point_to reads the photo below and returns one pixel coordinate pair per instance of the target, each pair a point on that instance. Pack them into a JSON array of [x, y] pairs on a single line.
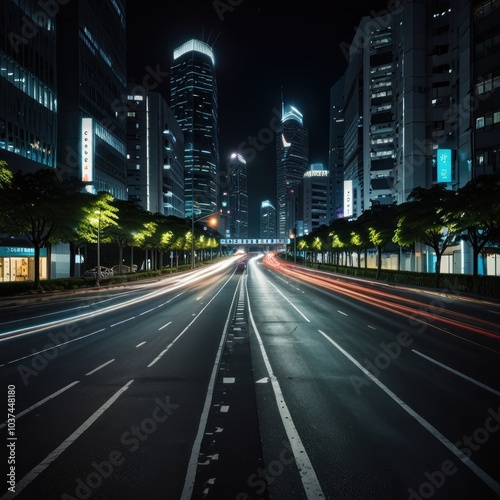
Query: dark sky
[[260, 47]]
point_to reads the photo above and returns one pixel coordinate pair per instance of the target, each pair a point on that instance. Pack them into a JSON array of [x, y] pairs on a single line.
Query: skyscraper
[[238, 197], [317, 198], [195, 106], [28, 125], [292, 156], [91, 92], [155, 164], [267, 220]]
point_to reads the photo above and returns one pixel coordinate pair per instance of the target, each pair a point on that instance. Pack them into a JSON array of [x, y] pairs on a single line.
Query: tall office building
[[238, 196], [195, 106], [486, 87], [316, 194], [336, 147], [28, 99], [292, 155], [92, 89], [267, 220], [155, 158], [369, 151]]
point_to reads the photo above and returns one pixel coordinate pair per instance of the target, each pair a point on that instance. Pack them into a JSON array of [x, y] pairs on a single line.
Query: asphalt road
[[265, 382]]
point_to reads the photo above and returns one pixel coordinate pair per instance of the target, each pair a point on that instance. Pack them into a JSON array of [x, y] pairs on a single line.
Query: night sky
[[261, 48]]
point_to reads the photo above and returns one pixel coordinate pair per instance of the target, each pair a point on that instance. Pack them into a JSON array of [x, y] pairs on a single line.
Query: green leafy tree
[[380, 221], [477, 213], [39, 206], [130, 222], [100, 216], [428, 218]]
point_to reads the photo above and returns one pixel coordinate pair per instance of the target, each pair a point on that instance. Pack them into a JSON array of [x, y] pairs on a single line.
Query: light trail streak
[[390, 302]]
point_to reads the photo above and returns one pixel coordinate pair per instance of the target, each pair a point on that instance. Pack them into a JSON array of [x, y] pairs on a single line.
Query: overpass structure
[[254, 243]]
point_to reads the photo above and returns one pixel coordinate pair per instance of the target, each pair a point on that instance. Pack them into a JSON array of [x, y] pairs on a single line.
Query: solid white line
[[187, 491], [139, 345], [429, 427], [162, 327], [36, 471], [308, 476], [41, 402], [479, 384], [99, 367], [288, 301]]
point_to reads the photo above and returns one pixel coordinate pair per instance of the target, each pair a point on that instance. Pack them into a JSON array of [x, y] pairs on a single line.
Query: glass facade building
[[28, 98], [238, 197], [92, 90], [155, 159], [292, 153], [193, 94]]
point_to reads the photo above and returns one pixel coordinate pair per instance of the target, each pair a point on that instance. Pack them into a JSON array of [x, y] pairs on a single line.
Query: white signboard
[[348, 206], [87, 150]]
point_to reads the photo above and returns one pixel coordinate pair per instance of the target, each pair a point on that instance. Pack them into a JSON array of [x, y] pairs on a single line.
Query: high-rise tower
[[238, 197], [194, 103], [292, 156]]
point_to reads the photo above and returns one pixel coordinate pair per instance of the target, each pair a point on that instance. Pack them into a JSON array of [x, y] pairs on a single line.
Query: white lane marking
[[224, 408], [139, 345], [55, 346], [164, 326], [288, 301], [187, 327], [41, 402], [264, 380], [308, 476], [228, 380], [426, 425], [474, 381], [342, 313], [36, 471], [124, 321], [148, 311], [99, 367], [372, 327], [187, 491]]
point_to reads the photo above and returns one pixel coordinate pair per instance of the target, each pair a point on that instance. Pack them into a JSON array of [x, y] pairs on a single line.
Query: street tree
[[39, 206]]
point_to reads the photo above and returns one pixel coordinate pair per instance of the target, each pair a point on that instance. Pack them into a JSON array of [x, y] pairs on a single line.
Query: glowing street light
[[212, 222]]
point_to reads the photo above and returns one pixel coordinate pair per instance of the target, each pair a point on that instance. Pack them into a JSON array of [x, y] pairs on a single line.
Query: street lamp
[[192, 233], [98, 273]]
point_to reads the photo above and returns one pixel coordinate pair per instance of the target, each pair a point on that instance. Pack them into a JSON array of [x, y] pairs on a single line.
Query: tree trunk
[[379, 261], [38, 288]]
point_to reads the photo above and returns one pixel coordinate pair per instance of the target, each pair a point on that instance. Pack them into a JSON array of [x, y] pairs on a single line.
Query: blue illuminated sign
[[444, 165]]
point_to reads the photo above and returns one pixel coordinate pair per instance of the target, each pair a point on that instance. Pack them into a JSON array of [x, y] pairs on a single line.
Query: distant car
[[240, 265], [106, 272]]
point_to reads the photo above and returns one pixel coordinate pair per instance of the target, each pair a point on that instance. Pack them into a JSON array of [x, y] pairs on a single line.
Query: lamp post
[[98, 273], [192, 234]]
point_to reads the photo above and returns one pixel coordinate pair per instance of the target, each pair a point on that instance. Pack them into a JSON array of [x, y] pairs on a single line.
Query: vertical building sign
[[348, 211], [87, 150], [444, 165]]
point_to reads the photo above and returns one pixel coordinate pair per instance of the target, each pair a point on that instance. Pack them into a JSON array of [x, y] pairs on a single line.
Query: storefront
[[17, 263]]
